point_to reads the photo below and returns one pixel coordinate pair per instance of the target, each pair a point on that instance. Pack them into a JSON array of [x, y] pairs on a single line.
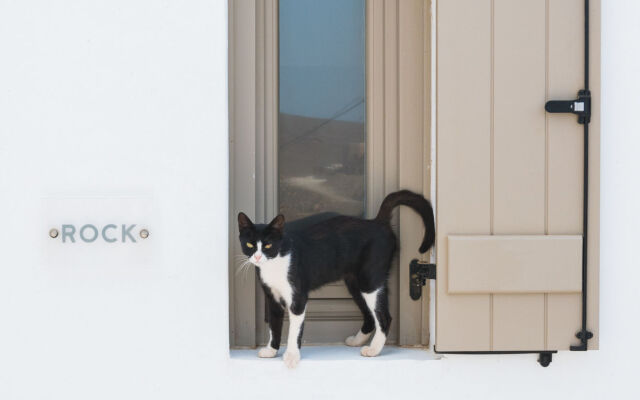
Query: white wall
[[128, 98]]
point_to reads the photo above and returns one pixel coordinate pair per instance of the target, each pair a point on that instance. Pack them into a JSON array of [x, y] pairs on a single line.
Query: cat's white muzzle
[[258, 259]]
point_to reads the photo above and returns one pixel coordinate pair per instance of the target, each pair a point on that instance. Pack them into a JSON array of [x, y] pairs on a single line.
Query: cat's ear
[[244, 222], [277, 223]]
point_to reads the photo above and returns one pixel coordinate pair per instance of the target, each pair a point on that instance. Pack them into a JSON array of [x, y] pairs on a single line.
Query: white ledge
[[342, 353]]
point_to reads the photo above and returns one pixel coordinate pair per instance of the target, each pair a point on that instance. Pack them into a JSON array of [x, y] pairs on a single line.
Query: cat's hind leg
[[378, 303], [363, 335]]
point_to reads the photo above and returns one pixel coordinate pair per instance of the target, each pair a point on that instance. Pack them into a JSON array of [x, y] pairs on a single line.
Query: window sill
[[342, 353]]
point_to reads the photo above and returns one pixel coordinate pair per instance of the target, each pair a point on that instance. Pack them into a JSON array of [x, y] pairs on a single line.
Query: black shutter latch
[[581, 106], [419, 272]]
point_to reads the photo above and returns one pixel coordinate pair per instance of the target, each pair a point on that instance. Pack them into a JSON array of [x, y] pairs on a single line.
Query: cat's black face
[[260, 242]]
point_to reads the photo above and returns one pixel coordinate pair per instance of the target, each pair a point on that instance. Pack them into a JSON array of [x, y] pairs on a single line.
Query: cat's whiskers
[[244, 265], [241, 257]]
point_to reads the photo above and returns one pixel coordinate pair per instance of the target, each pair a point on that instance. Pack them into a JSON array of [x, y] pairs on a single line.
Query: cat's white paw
[[291, 358], [369, 351], [358, 339], [352, 341], [267, 352]]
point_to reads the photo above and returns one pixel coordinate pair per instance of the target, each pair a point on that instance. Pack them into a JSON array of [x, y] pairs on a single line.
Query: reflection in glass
[[321, 138]]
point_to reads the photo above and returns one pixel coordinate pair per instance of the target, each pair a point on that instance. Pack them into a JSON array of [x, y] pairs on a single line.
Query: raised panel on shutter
[[515, 264]]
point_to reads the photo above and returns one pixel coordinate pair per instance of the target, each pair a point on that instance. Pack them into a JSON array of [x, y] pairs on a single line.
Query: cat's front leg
[[296, 325], [275, 316]]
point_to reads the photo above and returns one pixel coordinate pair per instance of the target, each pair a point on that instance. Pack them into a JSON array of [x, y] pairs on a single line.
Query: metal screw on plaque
[[144, 233], [53, 233]]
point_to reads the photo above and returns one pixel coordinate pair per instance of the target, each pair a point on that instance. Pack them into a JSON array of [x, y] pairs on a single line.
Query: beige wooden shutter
[[509, 176]]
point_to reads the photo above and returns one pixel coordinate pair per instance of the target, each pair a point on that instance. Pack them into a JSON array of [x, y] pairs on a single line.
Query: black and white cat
[[306, 254]]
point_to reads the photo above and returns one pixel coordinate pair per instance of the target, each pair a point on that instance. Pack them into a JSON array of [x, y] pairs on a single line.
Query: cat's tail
[[419, 205]]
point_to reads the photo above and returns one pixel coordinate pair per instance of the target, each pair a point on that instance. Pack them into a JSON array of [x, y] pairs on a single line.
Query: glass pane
[[321, 138]]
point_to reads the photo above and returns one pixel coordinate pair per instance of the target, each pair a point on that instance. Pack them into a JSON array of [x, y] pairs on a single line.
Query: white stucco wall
[[122, 99]]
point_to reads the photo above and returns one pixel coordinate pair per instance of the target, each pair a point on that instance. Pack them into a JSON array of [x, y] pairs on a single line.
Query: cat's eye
[[249, 245], [267, 246]]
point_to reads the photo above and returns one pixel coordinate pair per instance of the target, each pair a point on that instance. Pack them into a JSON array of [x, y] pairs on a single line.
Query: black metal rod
[[586, 44], [585, 227], [584, 335], [494, 351], [585, 201]]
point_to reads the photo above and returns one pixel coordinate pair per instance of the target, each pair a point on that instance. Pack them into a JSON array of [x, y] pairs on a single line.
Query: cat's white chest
[[274, 274]]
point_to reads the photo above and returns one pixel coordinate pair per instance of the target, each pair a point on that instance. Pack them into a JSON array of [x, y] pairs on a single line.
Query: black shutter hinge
[[581, 106], [419, 272]]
